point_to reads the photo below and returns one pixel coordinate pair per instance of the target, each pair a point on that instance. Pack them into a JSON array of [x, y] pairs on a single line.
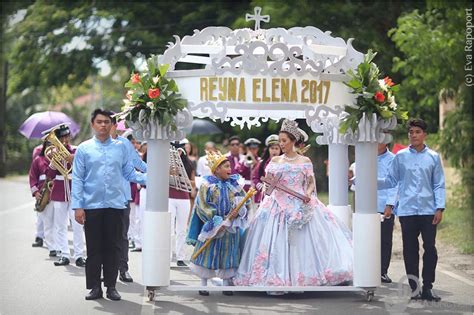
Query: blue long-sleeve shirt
[[97, 173], [136, 161], [420, 180], [387, 196]]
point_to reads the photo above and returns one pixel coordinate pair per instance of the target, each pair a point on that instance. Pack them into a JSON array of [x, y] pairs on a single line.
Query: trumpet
[[249, 159], [57, 154]]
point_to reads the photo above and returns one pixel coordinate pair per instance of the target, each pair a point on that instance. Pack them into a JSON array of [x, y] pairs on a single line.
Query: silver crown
[[291, 127]]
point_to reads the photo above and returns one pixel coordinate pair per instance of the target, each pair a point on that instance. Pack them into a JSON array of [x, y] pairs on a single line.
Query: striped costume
[[216, 198]]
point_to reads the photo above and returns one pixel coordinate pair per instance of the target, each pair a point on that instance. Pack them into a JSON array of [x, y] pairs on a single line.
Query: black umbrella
[[203, 127]]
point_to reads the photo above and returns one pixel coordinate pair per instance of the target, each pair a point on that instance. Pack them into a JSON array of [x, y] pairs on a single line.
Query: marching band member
[[234, 155], [217, 196], [37, 177], [272, 149], [247, 164], [60, 198], [180, 207], [39, 219]]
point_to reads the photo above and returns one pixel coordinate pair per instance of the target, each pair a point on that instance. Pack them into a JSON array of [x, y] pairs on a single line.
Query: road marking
[[23, 206], [457, 277]]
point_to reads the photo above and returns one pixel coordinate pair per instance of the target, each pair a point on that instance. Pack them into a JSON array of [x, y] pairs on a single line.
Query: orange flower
[[388, 81], [379, 97], [135, 78], [154, 93]]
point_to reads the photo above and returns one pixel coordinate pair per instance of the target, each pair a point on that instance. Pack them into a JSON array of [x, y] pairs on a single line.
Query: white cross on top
[[257, 17]]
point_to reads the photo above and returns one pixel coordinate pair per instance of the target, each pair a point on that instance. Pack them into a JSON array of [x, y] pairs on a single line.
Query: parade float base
[[193, 285]]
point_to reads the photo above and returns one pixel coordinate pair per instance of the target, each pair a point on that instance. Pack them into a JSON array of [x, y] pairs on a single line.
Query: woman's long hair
[[43, 149], [188, 165]]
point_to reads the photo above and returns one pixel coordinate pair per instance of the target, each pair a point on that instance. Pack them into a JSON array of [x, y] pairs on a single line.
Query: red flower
[[154, 93], [388, 81], [379, 97], [135, 78]]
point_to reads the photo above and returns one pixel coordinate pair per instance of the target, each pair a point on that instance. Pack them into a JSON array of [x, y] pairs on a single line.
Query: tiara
[[291, 127], [214, 159]]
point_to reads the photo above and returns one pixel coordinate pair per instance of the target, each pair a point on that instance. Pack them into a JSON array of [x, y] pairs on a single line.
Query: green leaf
[[173, 86], [354, 84], [386, 114], [151, 64], [163, 69]]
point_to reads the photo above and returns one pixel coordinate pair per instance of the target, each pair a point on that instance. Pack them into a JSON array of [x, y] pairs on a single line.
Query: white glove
[[259, 186]]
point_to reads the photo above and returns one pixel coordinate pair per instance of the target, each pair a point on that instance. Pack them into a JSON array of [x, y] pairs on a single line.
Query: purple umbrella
[[39, 122]]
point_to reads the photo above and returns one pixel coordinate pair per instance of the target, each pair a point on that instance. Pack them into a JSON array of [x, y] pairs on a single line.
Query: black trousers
[[123, 264], [386, 230], [103, 230], [412, 227]]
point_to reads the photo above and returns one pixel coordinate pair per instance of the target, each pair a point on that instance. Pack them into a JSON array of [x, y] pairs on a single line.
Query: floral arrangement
[[374, 95], [151, 95]]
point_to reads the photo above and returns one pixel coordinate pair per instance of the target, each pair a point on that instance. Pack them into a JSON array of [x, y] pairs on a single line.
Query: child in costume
[[217, 197]]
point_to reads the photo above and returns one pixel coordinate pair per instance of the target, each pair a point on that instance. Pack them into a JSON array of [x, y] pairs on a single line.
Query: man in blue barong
[[218, 195]]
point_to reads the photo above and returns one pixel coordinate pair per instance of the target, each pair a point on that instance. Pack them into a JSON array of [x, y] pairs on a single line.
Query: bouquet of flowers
[[151, 95], [374, 95]]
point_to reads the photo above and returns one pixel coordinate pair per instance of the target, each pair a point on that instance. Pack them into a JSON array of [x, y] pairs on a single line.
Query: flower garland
[[151, 95], [374, 95]]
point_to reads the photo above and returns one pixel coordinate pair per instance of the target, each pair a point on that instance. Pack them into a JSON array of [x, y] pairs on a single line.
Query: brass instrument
[[249, 159], [303, 150], [43, 200], [58, 157], [57, 154]]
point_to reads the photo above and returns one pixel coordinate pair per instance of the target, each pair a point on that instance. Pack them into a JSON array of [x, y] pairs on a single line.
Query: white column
[[338, 182], [366, 220], [156, 225]]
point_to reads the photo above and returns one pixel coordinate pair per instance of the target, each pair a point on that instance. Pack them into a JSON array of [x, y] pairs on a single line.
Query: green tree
[[432, 43], [67, 39]]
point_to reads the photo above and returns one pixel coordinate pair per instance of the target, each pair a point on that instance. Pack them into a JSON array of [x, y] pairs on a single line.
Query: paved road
[[30, 284]]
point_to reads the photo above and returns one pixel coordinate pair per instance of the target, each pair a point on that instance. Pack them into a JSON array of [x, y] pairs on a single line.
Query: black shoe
[[228, 293], [416, 297], [136, 249], [125, 277], [112, 294], [38, 242], [80, 262], [181, 263], [95, 294], [429, 295], [53, 253], [386, 278], [63, 261], [204, 293]]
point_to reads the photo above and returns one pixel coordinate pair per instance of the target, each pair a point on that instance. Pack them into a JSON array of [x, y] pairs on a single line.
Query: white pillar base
[[344, 213], [366, 242], [156, 248]]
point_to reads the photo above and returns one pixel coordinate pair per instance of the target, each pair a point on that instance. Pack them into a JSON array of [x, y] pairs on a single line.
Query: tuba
[[57, 154], [45, 191]]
